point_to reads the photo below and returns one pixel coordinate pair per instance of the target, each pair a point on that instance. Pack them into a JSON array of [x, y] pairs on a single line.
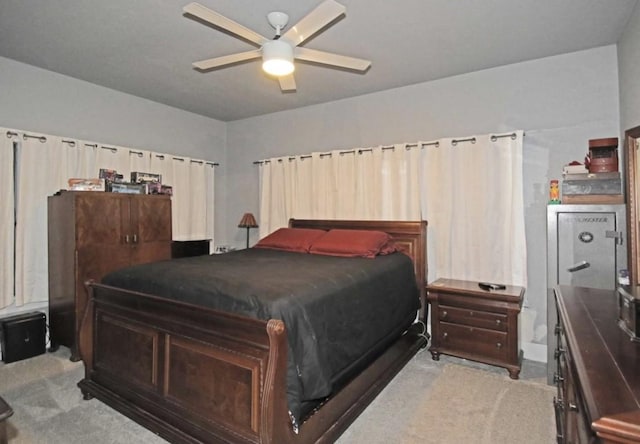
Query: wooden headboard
[[411, 236]]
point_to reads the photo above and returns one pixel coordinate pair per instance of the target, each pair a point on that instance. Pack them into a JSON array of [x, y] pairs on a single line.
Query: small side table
[[475, 324], [5, 412]]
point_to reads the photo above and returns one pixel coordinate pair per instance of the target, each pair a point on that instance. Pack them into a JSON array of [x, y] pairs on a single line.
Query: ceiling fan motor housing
[[277, 58]]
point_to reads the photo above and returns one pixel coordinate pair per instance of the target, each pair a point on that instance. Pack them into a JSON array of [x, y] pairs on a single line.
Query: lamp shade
[[277, 58], [248, 221]]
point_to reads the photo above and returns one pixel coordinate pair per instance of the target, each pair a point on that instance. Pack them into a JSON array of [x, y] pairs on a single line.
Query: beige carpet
[[457, 401], [467, 405], [445, 402]]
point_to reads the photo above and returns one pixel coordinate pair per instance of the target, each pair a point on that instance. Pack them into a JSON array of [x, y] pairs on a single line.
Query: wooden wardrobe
[[90, 235]]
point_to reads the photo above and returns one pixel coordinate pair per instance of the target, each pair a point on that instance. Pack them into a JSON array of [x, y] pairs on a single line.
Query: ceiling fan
[[278, 53]]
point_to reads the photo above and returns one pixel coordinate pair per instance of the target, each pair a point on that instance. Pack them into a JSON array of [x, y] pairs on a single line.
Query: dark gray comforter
[[339, 312]]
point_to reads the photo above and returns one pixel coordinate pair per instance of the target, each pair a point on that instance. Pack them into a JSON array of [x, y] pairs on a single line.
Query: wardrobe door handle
[[126, 238], [135, 238]]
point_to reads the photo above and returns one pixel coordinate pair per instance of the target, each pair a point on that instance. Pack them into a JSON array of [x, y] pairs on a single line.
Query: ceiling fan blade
[[327, 58], [287, 83], [317, 19], [217, 62], [203, 13]]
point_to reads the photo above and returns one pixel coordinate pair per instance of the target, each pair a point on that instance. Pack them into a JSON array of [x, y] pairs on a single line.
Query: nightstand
[[475, 324]]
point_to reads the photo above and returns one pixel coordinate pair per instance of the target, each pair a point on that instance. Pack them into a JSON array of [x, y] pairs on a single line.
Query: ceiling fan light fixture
[[277, 58]]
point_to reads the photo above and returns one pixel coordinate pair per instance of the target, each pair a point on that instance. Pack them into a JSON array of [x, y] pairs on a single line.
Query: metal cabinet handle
[[135, 238], [444, 335], [444, 314], [579, 266], [126, 239], [498, 322], [499, 345], [573, 407]]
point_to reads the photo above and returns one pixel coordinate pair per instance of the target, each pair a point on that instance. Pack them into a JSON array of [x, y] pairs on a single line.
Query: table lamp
[[248, 222]]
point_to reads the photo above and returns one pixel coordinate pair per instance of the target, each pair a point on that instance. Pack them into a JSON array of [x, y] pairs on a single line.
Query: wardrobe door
[[101, 242], [151, 228]]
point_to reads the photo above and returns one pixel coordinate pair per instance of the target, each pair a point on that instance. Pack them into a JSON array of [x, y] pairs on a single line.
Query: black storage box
[[189, 248], [23, 336]]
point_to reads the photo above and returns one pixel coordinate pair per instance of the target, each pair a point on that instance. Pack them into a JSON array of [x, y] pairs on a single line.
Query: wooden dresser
[[92, 234], [597, 370], [476, 324]]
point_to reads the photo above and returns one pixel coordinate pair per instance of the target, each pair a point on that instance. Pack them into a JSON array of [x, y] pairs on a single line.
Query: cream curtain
[[7, 138], [44, 164], [474, 204], [366, 183], [123, 160], [469, 190], [192, 203]]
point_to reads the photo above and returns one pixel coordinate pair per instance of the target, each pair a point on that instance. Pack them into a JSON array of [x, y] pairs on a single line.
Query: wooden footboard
[[188, 373], [193, 374]]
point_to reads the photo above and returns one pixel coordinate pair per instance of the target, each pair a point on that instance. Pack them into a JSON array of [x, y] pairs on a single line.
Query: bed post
[[85, 340], [274, 403]]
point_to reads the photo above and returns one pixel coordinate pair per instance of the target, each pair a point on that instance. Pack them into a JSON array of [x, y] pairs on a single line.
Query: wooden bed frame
[[193, 374]]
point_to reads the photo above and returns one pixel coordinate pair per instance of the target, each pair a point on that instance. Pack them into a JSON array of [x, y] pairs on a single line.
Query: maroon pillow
[[290, 239], [354, 243]]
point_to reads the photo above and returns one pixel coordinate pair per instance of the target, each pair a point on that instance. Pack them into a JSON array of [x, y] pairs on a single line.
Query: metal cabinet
[[586, 247]]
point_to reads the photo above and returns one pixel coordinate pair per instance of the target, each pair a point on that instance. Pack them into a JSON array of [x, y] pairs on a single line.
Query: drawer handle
[[557, 378], [558, 352], [444, 314], [573, 407], [499, 345], [470, 313], [444, 335], [498, 322]]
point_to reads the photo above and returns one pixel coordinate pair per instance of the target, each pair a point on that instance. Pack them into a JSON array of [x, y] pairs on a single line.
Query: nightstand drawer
[[473, 341], [475, 318]]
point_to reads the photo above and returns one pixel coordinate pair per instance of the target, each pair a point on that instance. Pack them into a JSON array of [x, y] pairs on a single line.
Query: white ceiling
[[146, 47]]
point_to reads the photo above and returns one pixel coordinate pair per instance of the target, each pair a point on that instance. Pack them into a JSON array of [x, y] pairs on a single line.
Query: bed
[[195, 373]]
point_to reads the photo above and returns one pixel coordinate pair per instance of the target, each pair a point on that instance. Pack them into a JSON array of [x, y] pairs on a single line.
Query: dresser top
[[607, 361]]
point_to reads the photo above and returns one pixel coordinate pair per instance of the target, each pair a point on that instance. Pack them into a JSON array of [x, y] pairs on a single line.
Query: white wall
[[629, 60], [561, 102]]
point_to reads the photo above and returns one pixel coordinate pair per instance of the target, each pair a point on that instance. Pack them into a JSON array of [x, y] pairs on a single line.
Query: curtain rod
[[113, 149], [359, 151], [454, 142]]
